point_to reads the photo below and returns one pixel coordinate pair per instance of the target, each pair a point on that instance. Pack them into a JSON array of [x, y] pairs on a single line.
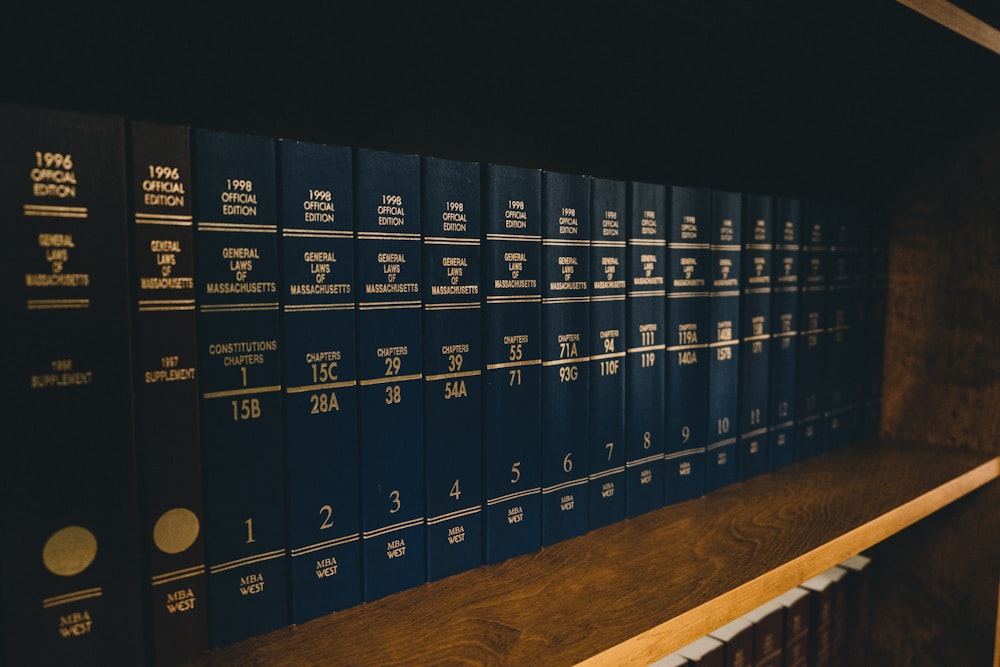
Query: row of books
[[341, 372], [823, 622]]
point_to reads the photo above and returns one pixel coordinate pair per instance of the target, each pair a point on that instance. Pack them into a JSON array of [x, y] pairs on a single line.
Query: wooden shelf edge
[[667, 637], [958, 20]]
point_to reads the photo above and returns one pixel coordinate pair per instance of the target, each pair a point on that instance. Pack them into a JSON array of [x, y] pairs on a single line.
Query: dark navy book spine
[[390, 370], [860, 298], [721, 465], [784, 330], [566, 347], [319, 376], [810, 381], [646, 321], [755, 328], [69, 569], [607, 336], [453, 391], [688, 344], [165, 353], [839, 330], [512, 262], [236, 278]]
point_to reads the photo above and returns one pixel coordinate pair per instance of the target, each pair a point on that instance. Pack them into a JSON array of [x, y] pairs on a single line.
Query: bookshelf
[[867, 101]]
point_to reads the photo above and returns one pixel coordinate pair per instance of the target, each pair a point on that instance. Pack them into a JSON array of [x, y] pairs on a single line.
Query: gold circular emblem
[[176, 530], [69, 551]]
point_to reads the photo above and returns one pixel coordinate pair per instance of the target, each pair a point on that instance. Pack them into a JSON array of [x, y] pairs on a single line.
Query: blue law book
[[859, 299], [810, 387], [453, 391], [688, 343], [839, 329], [607, 335], [755, 327], [511, 264], [784, 330], [390, 370], [69, 569], [319, 376], [165, 353], [645, 322], [724, 332], [566, 347], [236, 279]]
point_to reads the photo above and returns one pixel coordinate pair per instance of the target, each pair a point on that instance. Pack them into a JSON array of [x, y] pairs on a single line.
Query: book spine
[[566, 348], [453, 389], [724, 334], [646, 320], [69, 572], [236, 279], [688, 346], [390, 371], [860, 300], [512, 357], [839, 330], [784, 331], [607, 331], [319, 377], [810, 387], [755, 326], [166, 384]]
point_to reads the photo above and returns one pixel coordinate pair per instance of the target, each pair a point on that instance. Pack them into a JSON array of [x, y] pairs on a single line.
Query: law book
[[724, 335], [453, 390], [705, 652], [768, 633], [784, 331], [859, 299], [796, 605], [737, 643], [607, 335], [69, 572], [511, 265], [878, 297], [239, 370], [566, 349], [810, 378], [857, 616], [646, 323], [822, 592], [840, 332], [390, 370], [319, 376], [688, 342], [755, 327], [165, 354]]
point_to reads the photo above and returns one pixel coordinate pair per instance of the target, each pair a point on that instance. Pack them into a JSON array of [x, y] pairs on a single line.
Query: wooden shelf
[[636, 590]]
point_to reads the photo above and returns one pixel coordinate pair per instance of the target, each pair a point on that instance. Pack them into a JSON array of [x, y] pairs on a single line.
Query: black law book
[[69, 572], [166, 388]]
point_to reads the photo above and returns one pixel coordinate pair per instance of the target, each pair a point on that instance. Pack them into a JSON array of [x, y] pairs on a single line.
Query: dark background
[[783, 97]]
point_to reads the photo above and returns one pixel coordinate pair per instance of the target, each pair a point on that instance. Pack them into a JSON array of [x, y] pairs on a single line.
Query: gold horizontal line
[[245, 391], [391, 379], [320, 387]]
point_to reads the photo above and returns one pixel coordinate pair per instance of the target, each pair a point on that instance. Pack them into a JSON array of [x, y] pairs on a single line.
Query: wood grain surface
[[654, 583]]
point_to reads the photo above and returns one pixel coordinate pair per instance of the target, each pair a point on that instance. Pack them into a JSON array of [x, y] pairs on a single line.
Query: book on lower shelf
[[390, 371], [69, 572], [236, 279]]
